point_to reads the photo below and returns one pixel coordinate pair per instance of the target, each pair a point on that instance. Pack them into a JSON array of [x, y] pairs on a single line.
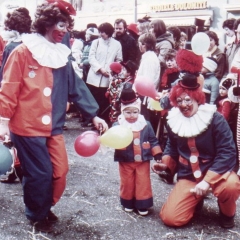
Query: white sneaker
[[143, 212], [128, 209]]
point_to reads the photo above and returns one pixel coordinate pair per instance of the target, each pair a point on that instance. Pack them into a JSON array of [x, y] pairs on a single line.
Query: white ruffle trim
[[136, 126], [11, 36], [193, 126], [46, 53]]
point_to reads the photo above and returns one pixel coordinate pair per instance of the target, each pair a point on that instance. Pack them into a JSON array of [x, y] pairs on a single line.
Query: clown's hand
[[201, 188], [100, 124], [159, 167]]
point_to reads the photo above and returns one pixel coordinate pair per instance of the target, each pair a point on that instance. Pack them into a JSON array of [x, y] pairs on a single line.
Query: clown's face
[[131, 114], [56, 33], [187, 105]]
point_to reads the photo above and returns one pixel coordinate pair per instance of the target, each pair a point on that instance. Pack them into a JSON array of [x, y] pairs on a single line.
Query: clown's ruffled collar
[[193, 126], [136, 126], [11, 36], [46, 53]]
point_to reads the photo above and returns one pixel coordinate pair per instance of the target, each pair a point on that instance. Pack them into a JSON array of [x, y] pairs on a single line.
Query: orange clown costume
[[134, 160], [201, 150], [38, 81]]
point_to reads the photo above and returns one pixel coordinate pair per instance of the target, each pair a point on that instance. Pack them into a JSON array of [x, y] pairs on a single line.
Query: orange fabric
[[135, 180], [194, 153], [227, 193], [156, 150], [59, 159], [180, 205], [212, 177], [16, 105]]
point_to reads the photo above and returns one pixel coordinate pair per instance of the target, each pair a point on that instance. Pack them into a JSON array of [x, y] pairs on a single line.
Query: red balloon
[[145, 87], [87, 144]]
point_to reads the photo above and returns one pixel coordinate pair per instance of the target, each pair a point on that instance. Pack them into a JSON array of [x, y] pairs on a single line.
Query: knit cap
[[227, 82], [133, 27], [92, 31], [128, 98], [210, 64]]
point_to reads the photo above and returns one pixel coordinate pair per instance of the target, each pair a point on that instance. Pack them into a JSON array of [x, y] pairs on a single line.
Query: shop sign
[[179, 6]]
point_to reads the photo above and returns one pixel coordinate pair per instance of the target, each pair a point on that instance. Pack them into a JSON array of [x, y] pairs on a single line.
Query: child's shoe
[[143, 212], [128, 210]]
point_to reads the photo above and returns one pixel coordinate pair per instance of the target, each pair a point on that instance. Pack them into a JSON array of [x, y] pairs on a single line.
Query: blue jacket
[[139, 151]]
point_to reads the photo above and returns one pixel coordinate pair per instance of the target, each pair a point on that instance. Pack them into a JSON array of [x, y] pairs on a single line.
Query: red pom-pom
[[189, 61]]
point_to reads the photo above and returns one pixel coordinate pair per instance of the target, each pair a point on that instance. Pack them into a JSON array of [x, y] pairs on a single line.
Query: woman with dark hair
[[201, 150], [215, 52], [16, 23], [164, 40], [103, 52], [38, 81]]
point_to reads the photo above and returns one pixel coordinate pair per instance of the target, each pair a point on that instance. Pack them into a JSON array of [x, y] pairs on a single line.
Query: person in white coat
[[103, 52], [149, 68]]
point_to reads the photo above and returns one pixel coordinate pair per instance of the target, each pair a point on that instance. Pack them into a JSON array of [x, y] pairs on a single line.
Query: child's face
[[171, 63], [223, 91], [131, 114], [204, 70]]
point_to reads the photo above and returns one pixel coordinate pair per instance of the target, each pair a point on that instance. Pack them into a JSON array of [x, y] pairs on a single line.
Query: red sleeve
[[226, 109]]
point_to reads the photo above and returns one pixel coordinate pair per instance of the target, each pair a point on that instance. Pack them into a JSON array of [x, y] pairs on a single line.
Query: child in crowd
[[120, 73], [211, 83], [224, 104], [134, 160], [171, 73]]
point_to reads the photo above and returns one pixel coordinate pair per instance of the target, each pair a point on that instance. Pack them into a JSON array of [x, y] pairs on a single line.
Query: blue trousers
[[37, 157]]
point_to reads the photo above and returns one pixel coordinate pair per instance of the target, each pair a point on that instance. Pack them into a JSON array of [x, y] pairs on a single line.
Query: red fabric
[[64, 6], [225, 108], [135, 180]]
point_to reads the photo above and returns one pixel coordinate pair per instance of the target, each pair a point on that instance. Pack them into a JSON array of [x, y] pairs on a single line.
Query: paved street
[[90, 209]]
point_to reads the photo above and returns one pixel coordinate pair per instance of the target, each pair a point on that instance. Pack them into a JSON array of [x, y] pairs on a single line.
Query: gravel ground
[[90, 209]]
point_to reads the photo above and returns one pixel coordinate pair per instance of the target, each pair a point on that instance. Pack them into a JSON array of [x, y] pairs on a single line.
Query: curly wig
[[19, 20], [178, 90], [47, 15]]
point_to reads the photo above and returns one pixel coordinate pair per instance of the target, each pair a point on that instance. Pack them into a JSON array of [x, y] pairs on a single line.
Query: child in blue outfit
[[134, 160]]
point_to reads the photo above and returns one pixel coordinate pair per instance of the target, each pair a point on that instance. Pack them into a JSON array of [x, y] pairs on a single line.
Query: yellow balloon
[[117, 137], [155, 104]]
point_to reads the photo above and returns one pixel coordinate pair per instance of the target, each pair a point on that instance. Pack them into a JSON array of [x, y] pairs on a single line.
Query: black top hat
[[189, 81], [199, 22], [128, 95], [130, 66]]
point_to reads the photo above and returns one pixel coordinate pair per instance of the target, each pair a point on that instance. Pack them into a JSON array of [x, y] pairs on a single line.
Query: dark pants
[[45, 166], [103, 102]]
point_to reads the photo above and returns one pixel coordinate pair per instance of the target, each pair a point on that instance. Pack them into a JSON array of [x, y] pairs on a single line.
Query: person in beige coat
[[103, 52]]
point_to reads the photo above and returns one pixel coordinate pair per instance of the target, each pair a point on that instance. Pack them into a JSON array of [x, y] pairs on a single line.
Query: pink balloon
[[145, 87], [87, 144]]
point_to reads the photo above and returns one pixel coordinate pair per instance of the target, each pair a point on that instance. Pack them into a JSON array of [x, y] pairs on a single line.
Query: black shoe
[[10, 178], [42, 226], [199, 206], [65, 127], [225, 221], [166, 176], [51, 217]]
